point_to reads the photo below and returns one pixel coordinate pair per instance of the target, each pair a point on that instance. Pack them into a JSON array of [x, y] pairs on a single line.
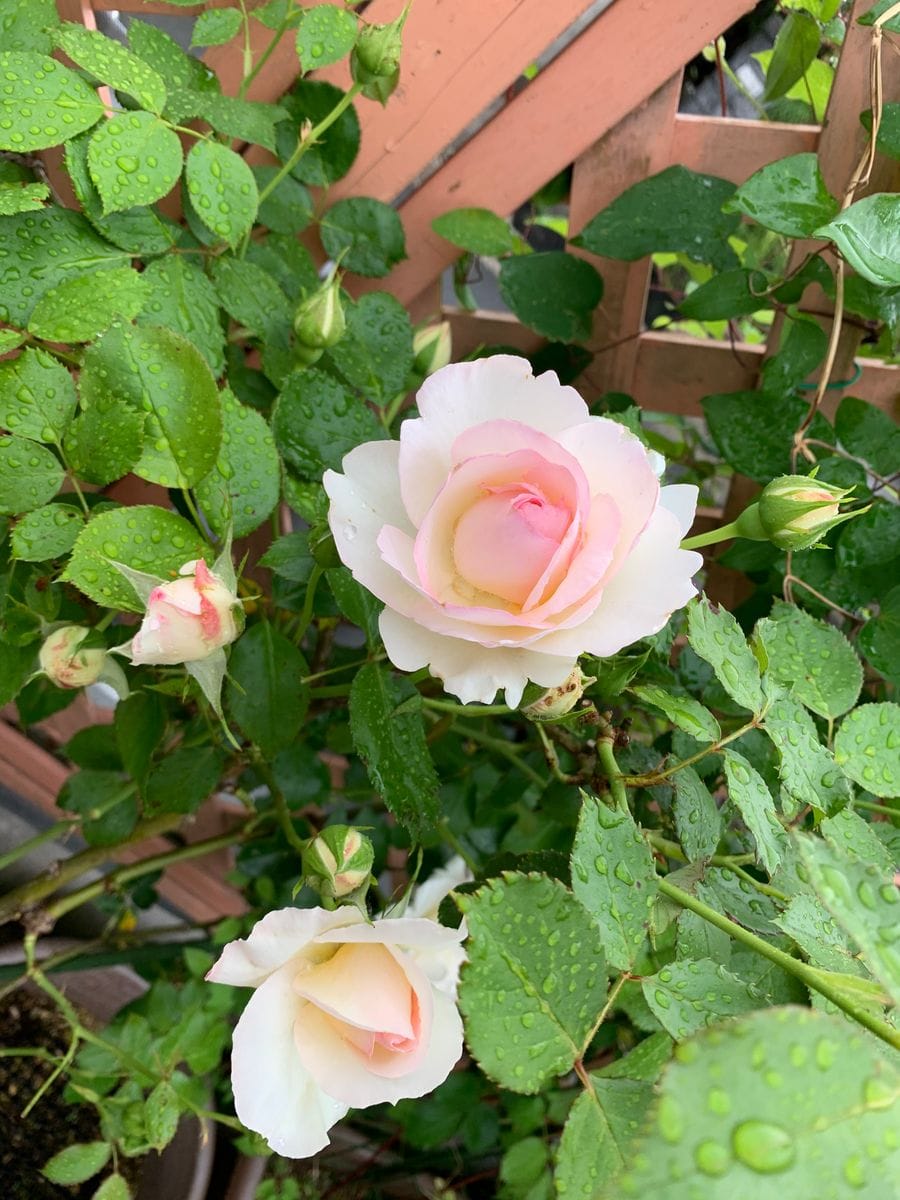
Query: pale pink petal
[[274, 941], [588, 567], [654, 581], [415, 932], [362, 985], [680, 499], [465, 394], [167, 636], [616, 464], [273, 1092], [469, 670]]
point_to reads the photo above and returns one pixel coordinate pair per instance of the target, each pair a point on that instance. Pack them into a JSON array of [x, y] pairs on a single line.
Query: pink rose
[[508, 532], [187, 619], [345, 1014]]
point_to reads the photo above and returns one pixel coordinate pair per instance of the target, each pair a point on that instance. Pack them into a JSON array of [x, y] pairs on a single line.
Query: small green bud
[[338, 861], [557, 702], [65, 663], [319, 320], [432, 347], [796, 511], [377, 51]]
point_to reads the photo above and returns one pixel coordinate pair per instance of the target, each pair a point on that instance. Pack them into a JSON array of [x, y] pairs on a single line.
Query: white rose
[[187, 619]]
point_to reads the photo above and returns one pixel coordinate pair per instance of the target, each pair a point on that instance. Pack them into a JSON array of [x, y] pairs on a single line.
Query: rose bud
[[558, 701], [186, 620], [338, 861], [378, 48], [796, 511], [432, 348], [65, 664], [319, 321]]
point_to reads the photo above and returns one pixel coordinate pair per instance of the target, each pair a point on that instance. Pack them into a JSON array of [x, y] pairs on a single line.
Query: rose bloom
[[508, 531], [187, 619], [345, 1014]]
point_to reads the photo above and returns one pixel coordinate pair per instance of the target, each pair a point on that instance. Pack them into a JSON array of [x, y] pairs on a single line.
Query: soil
[[31, 1019]]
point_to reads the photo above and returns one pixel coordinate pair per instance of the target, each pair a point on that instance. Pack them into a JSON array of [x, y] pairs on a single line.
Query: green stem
[[280, 804], [263, 59], [760, 111], [800, 970], [455, 844], [247, 66], [57, 829], [723, 533], [305, 143], [606, 760], [74, 482], [871, 806], [655, 777], [673, 850], [605, 1011], [309, 601], [192, 509], [351, 666], [470, 711]]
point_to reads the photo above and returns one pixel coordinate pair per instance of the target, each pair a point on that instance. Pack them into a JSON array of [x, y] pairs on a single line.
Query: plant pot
[[182, 1170]]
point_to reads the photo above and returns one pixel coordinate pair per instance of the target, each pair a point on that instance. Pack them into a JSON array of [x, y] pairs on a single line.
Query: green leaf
[[222, 189], [39, 250], [389, 735], [697, 817], [715, 635], [113, 1187], [879, 638], [143, 537], [477, 230], [26, 24], [289, 208], [690, 994], [183, 780], [29, 475], [359, 606], [677, 211], [777, 1104], [161, 1113], [179, 296], [807, 769], [216, 26], [77, 1163], [105, 441], [868, 236], [251, 296], [753, 430], [375, 354], [796, 47], [243, 487], [857, 837], [180, 72], [524, 1173], [554, 293], [599, 1131], [317, 420], [325, 35], [133, 159], [870, 434], [16, 665], [111, 63], [863, 900], [788, 196], [333, 155], [64, 106], [802, 348], [79, 309], [733, 293], [245, 120], [877, 9], [264, 692], [22, 197], [139, 726], [534, 982], [365, 235], [753, 800], [688, 714], [162, 374], [10, 339], [888, 129], [812, 660], [37, 396], [289, 556], [870, 539], [139, 230], [46, 533], [866, 747], [613, 877], [816, 933]]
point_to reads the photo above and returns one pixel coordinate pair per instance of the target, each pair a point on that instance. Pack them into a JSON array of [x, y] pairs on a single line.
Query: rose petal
[[465, 394], [467, 669], [381, 1005], [273, 941], [273, 1092], [680, 499]]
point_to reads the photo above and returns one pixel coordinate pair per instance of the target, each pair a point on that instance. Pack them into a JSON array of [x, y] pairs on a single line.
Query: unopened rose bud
[[338, 861], [432, 348], [378, 48], [187, 619], [319, 321], [65, 664], [796, 511], [557, 702]]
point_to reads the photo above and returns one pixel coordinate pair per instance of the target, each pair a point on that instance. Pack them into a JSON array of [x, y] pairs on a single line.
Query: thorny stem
[[656, 777], [609, 768], [553, 759], [808, 975], [280, 804], [310, 139], [57, 829]]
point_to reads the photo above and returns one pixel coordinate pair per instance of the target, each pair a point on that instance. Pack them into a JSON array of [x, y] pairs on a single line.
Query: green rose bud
[[338, 861], [65, 663], [557, 702], [432, 347], [796, 511], [319, 321], [377, 51]]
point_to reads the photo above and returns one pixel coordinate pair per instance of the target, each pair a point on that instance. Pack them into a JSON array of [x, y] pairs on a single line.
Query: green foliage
[[80, 309], [37, 396], [216, 26], [265, 694], [554, 293], [331, 159], [688, 995], [477, 230], [788, 196], [796, 48], [111, 63], [365, 236], [46, 533], [807, 769], [375, 354], [598, 1134], [134, 159], [30, 475], [866, 746], [529, 942], [64, 106], [106, 440], [243, 487], [697, 817], [812, 660], [867, 235], [77, 1163], [325, 35], [715, 635], [748, 793], [318, 420], [683, 711], [222, 189]]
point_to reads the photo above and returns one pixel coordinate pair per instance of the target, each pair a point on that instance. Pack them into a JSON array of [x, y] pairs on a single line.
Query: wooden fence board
[[733, 148]]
